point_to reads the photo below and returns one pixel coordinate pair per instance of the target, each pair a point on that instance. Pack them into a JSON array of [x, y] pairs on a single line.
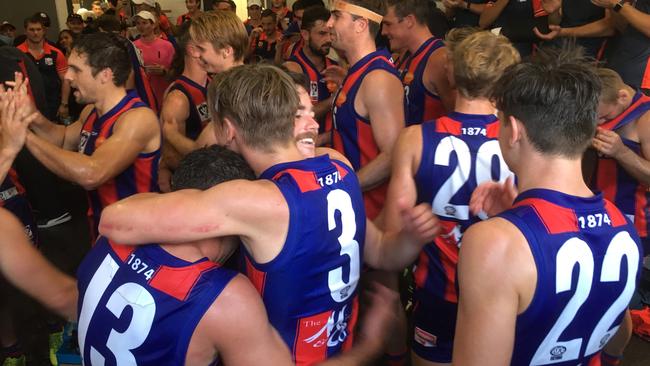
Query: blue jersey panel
[[140, 305], [587, 256]]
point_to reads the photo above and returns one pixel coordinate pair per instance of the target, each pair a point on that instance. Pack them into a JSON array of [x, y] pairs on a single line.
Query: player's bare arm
[[405, 164], [382, 100], [292, 66], [237, 327], [27, 269], [435, 79], [136, 132], [175, 112], [254, 210], [609, 143], [491, 13], [496, 276]]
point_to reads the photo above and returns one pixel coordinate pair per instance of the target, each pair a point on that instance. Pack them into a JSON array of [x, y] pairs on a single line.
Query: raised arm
[[26, 268], [383, 100], [609, 143], [634, 17], [137, 131]]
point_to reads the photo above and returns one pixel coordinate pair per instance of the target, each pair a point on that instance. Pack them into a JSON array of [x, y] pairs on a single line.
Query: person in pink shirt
[[157, 53]]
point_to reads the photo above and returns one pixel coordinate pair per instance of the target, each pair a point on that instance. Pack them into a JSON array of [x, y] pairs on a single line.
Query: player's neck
[[420, 35], [194, 71], [36, 46], [111, 96], [316, 59], [473, 106], [360, 50], [260, 160], [551, 172]]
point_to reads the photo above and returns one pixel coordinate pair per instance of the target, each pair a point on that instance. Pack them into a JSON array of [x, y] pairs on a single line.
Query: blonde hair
[[479, 61], [612, 84], [260, 100], [457, 35], [221, 29]]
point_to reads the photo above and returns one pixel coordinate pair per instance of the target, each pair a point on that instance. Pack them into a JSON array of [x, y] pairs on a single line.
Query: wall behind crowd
[[15, 13]]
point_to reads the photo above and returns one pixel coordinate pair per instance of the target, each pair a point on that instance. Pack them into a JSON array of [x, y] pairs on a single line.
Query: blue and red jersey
[[617, 185], [310, 288], [139, 177], [352, 133], [141, 79], [318, 90], [12, 198], [141, 305], [197, 97], [587, 255], [420, 104], [459, 152]]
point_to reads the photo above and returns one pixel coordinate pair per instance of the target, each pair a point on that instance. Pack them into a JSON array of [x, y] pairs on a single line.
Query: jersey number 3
[[339, 200]]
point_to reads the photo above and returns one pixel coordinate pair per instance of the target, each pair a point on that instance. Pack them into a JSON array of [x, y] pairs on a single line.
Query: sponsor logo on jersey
[[425, 338]]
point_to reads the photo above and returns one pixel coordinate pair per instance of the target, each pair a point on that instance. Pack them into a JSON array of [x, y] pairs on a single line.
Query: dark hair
[[182, 39], [298, 78], [304, 4], [377, 6], [420, 9], [314, 14], [260, 100], [269, 13], [58, 40], [209, 166], [555, 96], [106, 51], [231, 3], [109, 23], [34, 19]]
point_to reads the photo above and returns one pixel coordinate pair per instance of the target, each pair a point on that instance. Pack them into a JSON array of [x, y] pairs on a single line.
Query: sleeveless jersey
[[318, 90], [419, 103], [309, 289], [197, 97], [139, 177], [459, 152], [141, 305], [587, 256], [12, 198], [617, 185], [352, 133]]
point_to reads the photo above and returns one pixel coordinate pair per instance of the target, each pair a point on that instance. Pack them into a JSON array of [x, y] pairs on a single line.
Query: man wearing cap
[[75, 24], [254, 15], [157, 53], [7, 33], [51, 63], [150, 6]]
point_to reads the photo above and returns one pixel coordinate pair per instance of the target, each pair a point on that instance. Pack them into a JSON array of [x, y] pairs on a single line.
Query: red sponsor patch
[[425, 338]]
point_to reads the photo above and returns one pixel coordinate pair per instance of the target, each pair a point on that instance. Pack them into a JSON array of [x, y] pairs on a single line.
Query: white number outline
[[128, 294], [576, 251], [339, 200], [461, 173]]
